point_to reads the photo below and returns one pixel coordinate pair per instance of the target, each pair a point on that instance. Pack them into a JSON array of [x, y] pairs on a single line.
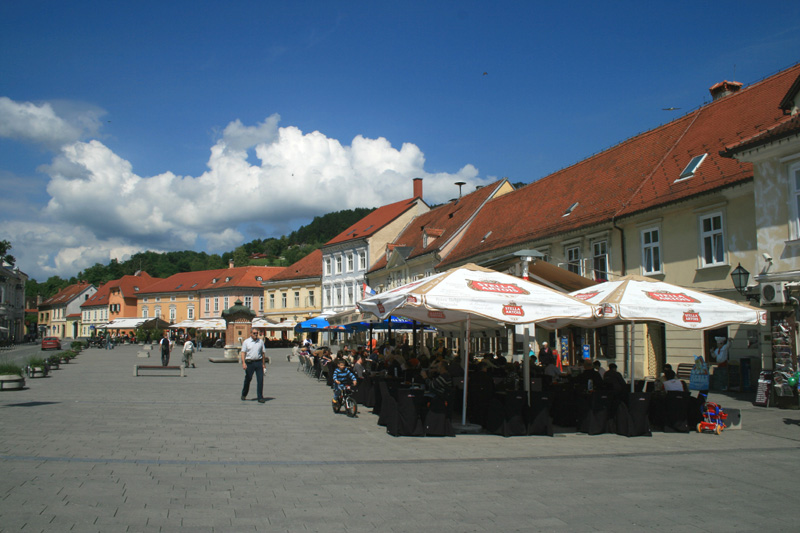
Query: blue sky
[[201, 125]]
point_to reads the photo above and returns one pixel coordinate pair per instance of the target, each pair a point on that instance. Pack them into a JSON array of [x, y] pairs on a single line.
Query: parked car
[[51, 343]]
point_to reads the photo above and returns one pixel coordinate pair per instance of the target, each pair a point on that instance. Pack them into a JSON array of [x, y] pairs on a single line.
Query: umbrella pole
[[465, 362], [526, 361], [630, 355]]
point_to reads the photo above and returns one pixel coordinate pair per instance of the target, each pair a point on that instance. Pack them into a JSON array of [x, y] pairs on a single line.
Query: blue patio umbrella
[[312, 324]]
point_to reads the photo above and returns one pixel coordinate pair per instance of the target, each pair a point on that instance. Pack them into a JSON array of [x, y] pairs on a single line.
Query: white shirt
[[252, 349], [673, 384], [188, 346]]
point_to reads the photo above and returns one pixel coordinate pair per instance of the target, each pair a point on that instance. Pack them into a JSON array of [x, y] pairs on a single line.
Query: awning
[[540, 271], [133, 323]]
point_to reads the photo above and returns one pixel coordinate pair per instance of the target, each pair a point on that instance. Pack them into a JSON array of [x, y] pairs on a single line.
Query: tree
[[6, 257]]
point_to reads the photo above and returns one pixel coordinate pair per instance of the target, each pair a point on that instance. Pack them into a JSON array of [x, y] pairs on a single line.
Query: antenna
[[460, 184]]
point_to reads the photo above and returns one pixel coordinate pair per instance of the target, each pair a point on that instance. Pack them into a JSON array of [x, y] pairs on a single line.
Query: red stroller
[[713, 418]]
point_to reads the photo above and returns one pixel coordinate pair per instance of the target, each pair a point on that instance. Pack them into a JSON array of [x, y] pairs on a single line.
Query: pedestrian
[[165, 349], [253, 361], [188, 350]]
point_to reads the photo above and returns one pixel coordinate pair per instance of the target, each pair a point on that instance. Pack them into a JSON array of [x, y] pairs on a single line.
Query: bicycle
[[347, 399]]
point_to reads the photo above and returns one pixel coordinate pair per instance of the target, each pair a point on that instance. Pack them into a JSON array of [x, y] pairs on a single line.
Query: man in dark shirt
[[546, 355], [613, 380], [588, 375]]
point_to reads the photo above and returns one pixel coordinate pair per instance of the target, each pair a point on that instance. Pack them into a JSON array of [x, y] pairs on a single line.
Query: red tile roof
[[224, 278], [308, 267], [440, 224], [126, 285], [374, 221], [789, 127], [634, 176], [67, 294]]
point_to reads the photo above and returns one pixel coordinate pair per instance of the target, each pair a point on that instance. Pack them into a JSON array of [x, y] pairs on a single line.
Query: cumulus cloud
[[45, 125], [298, 176]]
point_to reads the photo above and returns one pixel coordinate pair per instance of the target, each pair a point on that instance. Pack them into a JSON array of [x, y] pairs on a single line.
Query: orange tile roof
[[440, 224], [374, 221], [633, 176], [100, 297], [126, 285], [66, 295], [223, 278], [308, 267], [789, 127]]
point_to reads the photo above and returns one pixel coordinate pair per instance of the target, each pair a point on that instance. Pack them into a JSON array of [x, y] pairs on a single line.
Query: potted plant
[[11, 377], [36, 368], [66, 356], [76, 346]]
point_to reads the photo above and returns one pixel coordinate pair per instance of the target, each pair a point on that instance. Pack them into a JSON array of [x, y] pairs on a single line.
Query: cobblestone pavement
[[93, 448]]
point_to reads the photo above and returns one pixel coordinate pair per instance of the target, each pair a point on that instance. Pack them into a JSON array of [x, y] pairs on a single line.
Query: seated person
[[589, 374], [613, 380], [672, 383], [413, 373], [438, 381], [358, 367], [342, 376], [599, 367], [553, 371]]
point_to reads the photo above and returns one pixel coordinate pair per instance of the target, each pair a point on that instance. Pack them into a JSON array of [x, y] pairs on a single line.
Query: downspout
[[623, 265]]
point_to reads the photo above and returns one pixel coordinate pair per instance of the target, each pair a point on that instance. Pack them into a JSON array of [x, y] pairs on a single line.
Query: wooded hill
[[281, 251]]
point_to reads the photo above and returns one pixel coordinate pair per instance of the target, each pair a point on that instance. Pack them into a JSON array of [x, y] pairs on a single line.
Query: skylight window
[[179, 286], [486, 236], [691, 168], [136, 289], [193, 286], [570, 209]]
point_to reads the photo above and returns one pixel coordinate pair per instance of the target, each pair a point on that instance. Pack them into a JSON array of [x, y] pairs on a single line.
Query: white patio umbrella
[[640, 299], [477, 297]]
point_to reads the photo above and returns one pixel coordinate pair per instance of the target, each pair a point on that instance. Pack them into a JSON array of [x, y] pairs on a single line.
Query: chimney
[[724, 88], [418, 188], [230, 263]]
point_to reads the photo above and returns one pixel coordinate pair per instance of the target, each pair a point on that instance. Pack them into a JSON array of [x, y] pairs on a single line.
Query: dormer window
[[136, 289], [213, 281], [424, 240], [570, 209], [228, 279], [690, 169], [258, 278]]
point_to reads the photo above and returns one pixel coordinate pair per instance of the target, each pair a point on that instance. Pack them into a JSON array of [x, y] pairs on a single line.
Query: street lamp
[[740, 277]]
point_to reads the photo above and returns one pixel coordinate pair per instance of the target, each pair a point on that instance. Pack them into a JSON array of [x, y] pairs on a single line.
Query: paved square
[[93, 448]]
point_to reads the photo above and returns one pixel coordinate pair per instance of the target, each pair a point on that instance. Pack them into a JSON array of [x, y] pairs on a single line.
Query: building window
[[190, 312], [144, 299], [144, 312], [311, 299], [272, 301], [338, 264], [350, 294], [297, 298], [327, 265], [172, 298], [225, 302], [261, 303], [362, 260], [158, 299], [173, 313], [248, 302], [794, 208], [574, 259], [190, 297], [600, 260], [216, 304], [712, 240], [350, 262], [690, 169], [651, 251], [208, 305], [283, 300], [327, 296], [158, 311]]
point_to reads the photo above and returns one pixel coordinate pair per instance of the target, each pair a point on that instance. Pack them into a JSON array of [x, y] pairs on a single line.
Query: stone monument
[[238, 323]]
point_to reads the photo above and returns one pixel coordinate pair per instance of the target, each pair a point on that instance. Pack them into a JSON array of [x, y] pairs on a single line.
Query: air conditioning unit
[[773, 293]]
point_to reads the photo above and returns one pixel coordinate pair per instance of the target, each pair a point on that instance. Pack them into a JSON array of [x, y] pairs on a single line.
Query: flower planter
[[11, 382], [36, 371], [64, 361]]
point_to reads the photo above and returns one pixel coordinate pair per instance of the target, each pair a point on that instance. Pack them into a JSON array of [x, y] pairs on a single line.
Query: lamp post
[[740, 277]]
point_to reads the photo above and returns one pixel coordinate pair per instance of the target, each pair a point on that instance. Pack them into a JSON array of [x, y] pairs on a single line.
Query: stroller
[[713, 418]]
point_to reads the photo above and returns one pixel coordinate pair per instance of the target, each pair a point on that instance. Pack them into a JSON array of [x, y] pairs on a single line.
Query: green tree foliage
[[5, 246], [282, 251]]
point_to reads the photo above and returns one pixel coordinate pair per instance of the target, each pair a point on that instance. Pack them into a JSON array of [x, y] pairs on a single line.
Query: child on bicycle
[[341, 377]]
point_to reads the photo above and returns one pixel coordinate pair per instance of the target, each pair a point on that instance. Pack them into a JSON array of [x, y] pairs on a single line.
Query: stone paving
[[93, 448]]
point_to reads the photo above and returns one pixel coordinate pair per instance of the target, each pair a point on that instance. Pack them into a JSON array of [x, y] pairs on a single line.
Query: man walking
[[165, 349], [253, 361]]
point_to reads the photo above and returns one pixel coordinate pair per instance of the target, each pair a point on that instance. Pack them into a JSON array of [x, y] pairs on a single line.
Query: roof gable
[[308, 267], [239, 277], [373, 222], [67, 294]]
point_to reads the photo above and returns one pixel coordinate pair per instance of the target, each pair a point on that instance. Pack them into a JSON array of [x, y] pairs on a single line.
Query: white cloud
[[42, 124], [299, 176]]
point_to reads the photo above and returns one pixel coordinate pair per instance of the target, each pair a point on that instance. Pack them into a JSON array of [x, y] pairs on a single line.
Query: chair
[[594, 412], [438, 419], [676, 408], [632, 415], [564, 407], [539, 420], [388, 415], [506, 415], [409, 413]]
